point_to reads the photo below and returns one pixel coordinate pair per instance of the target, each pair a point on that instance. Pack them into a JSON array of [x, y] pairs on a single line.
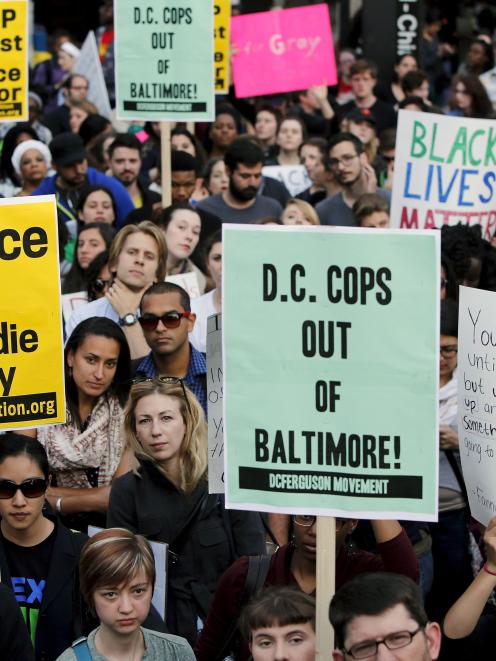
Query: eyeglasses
[[449, 351], [388, 159], [307, 521], [170, 320], [394, 641], [98, 285], [344, 160], [169, 380], [33, 488]]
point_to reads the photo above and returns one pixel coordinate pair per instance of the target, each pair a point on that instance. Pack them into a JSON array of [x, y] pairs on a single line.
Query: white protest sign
[[72, 301], [188, 281], [444, 172], [160, 552], [88, 64], [294, 177], [214, 398], [477, 399]]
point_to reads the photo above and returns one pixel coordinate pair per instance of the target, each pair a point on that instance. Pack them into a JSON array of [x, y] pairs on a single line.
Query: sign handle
[[165, 159], [326, 586], [190, 126]]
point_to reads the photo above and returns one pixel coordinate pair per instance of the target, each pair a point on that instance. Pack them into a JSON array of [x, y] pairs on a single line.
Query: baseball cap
[[361, 115], [67, 148]]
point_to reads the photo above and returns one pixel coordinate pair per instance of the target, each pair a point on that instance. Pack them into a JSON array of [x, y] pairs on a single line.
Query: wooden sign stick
[[326, 585], [165, 158]]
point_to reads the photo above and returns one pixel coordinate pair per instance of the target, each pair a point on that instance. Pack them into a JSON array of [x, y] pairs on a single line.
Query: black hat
[[361, 115], [67, 148]]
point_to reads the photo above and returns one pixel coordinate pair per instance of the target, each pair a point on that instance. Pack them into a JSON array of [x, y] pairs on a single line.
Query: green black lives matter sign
[[164, 60]]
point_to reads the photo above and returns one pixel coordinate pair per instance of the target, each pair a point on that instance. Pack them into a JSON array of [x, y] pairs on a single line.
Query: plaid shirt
[[195, 379]]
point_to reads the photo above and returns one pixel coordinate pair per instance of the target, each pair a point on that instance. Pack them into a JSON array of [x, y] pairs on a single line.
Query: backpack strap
[[81, 649], [258, 568]]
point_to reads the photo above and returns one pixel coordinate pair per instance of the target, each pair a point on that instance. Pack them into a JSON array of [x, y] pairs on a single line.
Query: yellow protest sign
[[222, 16], [31, 344], [14, 60]]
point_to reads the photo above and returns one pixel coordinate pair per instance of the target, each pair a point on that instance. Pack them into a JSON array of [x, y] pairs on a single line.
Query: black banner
[[20, 408]]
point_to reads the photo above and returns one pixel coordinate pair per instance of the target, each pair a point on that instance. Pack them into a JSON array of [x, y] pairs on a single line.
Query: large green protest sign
[[164, 60], [331, 341]]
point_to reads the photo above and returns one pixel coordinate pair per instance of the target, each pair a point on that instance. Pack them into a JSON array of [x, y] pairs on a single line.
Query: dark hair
[[320, 143], [346, 136], [372, 594], [245, 151], [94, 149], [103, 327], [159, 288], [228, 109], [127, 140], [277, 606], [449, 317], [416, 101], [412, 80], [86, 192], [451, 285], [481, 106], [363, 66], [207, 169], [367, 204], [92, 126], [181, 161], [210, 241], [67, 84], [267, 220], [387, 140], [488, 52], [93, 271], [8, 147], [266, 107], [398, 60], [166, 214], [293, 117], [76, 279], [199, 151], [13, 445], [462, 244]]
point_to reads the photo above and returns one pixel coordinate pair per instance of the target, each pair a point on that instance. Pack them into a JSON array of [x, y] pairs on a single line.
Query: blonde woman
[[165, 498], [299, 212]]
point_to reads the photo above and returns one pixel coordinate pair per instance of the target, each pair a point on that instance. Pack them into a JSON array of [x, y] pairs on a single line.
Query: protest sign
[[222, 17], [444, 172], [72, 301], [160, 555], [14, 66], [31, 346], [282, 51], [294, 177], [214, 399], [164, 59], [88, 64], [477, 399], [330, 347], [188, 281]]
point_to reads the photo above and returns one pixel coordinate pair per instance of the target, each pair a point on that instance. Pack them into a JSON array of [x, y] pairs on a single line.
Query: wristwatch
[[128, 319]]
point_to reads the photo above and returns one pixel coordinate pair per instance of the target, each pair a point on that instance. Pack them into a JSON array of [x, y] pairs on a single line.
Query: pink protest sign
[[282, 51]]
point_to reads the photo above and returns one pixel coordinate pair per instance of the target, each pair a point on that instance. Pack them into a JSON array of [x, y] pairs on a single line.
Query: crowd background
[[132, 455]]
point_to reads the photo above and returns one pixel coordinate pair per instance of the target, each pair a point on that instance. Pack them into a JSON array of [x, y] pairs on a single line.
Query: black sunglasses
[[98, 285], [170, 380], [170, 320], [33, 488]]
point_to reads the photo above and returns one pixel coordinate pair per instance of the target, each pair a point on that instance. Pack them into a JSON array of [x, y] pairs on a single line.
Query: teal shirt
[[158, 647]]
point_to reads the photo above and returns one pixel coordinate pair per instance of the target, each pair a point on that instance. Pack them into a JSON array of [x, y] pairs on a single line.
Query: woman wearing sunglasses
[[87, 452], [181, 226], [295, 565], [98, 276], [165, 498], [38, 555], [92, 239]]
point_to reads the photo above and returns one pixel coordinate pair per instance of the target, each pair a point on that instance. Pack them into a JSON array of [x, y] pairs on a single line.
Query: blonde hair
[[193, 459], [306, 209], [112, 557], [146, 227], [85, 105]]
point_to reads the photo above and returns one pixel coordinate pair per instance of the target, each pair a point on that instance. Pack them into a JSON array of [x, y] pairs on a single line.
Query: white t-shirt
[[203, 307]]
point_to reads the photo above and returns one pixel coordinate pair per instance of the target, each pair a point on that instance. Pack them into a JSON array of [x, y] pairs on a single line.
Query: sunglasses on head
[[170, 380], [33, 488], [170, 320]]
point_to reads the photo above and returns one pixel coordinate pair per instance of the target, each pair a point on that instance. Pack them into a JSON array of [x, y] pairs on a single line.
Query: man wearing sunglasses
[[166, 320], [381, 616]]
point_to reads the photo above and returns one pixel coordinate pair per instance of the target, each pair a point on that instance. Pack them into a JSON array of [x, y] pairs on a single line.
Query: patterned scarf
[[71, 451]]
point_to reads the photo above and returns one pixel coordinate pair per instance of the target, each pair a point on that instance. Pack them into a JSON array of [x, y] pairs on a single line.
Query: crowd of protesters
[[131, 458]]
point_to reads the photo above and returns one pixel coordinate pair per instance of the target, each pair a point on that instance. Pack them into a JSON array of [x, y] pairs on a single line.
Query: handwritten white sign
[[215, 397]]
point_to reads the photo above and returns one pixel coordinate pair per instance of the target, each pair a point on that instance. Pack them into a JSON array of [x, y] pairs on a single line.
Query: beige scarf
[[70, 451]]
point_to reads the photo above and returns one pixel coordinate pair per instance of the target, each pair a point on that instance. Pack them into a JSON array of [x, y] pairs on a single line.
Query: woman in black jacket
[[165, 498], [38, 556]]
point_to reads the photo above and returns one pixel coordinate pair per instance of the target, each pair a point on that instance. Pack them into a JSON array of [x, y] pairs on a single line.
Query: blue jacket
[[123, 201]]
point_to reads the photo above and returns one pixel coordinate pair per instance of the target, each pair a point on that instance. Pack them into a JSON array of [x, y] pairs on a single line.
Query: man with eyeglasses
[[381, 617], [354, 174], [166, 320], [74, 88]]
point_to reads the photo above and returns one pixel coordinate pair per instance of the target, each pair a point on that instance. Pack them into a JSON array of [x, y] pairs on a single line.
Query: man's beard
[[242, 195]]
